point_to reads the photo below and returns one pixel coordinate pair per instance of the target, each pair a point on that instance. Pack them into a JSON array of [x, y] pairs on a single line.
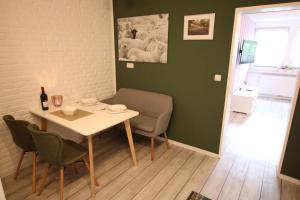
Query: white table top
[[98, 121]]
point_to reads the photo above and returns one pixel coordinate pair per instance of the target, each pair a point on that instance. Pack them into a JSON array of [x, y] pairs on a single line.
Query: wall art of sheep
[[143, 38]]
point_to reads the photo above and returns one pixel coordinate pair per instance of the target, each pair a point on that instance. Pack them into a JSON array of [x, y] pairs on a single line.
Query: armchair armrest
[[162, 122]]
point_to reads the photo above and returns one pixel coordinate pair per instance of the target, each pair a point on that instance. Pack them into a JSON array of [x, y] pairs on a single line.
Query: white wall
[[241, 70], [64, 45], [274, 85]]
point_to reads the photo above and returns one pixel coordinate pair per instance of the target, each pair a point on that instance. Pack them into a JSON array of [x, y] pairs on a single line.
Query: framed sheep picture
[[143, 38]]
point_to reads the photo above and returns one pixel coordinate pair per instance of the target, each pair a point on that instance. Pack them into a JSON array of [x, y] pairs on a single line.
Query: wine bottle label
[[45, 104]]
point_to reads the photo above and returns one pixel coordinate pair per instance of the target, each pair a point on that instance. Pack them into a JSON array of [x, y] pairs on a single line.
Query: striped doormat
[[196, 196]]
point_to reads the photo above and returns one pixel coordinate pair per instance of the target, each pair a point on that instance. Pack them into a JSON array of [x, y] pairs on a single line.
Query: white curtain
[[277, 47], [272, 45]]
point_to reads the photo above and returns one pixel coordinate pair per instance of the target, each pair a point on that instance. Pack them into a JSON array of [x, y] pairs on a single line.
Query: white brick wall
[[64, 45]]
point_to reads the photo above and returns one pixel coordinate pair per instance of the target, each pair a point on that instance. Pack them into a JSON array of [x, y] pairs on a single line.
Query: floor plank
[[271, 184], [118, 177], [175, 184], [102, 166], [216, 180], [106, 139], [233, 184], [19, 190], [290, 191], [133, 187], [252, 185], [198, 179]]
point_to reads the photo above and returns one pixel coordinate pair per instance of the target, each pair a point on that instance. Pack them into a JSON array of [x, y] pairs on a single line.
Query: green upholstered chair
[[23, 139], [57, 151]]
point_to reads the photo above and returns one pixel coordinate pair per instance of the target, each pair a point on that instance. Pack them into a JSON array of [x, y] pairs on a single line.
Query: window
[[271, 46]]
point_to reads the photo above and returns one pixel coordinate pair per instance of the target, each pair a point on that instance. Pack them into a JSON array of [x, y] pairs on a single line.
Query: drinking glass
[[57, 100]]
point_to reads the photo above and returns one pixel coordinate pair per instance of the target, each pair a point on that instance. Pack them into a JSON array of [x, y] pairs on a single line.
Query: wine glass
[[57, 100]]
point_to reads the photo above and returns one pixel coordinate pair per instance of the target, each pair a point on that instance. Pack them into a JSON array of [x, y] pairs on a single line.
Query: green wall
[[188, 75], [291, 162]]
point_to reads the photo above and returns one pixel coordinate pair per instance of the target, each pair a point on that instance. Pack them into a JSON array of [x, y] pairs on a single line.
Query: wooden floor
[[253, 145], [172, 175], [246, 171]]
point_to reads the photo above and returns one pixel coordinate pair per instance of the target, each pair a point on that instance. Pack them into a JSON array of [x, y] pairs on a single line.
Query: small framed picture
[[199, 27]]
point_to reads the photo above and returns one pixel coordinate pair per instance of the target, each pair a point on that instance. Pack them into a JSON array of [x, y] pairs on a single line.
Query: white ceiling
[[291, 15]]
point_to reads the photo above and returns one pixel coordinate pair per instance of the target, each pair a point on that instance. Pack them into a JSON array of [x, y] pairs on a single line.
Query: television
[[247, 52]]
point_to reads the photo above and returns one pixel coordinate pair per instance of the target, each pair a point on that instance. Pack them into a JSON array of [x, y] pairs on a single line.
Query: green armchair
[[57, 151], [23, 139]]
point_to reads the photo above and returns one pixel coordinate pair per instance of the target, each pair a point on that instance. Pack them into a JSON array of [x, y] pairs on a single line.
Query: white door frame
[[232, 64]]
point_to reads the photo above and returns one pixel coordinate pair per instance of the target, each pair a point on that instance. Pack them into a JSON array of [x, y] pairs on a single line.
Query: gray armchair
[[155, 112]]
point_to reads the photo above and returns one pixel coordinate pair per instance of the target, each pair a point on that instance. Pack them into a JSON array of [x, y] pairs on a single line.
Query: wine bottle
[[44, 99]]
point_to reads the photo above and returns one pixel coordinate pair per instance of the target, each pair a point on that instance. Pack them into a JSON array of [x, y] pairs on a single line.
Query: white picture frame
[[199, 27]]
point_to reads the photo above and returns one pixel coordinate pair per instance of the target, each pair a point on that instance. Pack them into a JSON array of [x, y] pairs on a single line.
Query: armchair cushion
[[143, 123]]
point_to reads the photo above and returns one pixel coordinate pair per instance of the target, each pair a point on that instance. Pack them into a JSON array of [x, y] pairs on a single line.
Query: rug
[[196, 196]]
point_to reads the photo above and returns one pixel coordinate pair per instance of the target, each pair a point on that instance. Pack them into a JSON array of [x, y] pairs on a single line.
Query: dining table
[[92, 120]]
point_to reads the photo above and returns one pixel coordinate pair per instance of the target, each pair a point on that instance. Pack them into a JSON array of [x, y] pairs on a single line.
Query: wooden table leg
[[130, 141], [43, 124], [91, 159]]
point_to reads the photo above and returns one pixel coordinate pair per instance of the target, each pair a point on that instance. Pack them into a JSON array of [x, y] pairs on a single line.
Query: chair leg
[[88, 168], [19, 165], [34, 172], [46, 172], [152, 148], [166, 140], [75, 169], [62, 169]]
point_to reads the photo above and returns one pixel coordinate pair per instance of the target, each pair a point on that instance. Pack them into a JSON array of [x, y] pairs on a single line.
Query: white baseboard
[[289, 179], [208, 153]]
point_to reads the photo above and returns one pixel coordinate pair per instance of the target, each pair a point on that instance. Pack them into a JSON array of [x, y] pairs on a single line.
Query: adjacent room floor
[[252, 151], [246, 171]]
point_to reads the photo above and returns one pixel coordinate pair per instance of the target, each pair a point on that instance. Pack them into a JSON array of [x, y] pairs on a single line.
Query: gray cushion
[[143, 123]]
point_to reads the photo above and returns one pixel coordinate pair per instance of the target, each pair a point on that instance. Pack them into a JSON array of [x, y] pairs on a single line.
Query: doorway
[[265, 116]]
